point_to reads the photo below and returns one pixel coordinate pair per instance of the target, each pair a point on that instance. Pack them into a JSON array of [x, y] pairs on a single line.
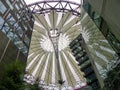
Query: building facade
[[99, 20], [78, 48], [16, 25], [105, 14]]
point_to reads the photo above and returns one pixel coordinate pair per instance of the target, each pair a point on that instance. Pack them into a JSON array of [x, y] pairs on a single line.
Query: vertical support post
[[54, 37]]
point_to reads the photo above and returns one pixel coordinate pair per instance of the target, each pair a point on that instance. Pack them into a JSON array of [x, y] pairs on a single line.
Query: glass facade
[[10, 5], [115, 43], [6, 28], [103, 27], [79, 51], [1, 22], [15, 22], [2, 8]]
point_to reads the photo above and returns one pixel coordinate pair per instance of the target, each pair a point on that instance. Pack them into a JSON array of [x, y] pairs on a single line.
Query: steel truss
[[46, 6]]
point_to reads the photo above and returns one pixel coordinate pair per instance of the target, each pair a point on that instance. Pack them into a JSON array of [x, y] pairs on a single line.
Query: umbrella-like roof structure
[[50, 61]]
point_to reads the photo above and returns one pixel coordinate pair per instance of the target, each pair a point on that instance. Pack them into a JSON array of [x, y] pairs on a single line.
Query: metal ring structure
[[46, 6]]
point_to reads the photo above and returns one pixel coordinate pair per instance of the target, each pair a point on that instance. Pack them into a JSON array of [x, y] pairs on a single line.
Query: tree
[[12, 78], [112, 82]]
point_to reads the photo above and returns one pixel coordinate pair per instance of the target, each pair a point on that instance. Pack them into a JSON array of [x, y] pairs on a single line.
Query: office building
[[15, 31]]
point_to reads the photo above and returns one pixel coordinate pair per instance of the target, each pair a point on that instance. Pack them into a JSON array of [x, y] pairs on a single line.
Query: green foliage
[[112, 82], [12, 78], [33, 87]]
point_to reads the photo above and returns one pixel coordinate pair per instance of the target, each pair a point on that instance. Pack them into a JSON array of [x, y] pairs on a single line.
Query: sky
[[32, 1]]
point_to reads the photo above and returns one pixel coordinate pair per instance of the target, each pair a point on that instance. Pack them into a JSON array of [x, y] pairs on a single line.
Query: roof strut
[[54, 37]]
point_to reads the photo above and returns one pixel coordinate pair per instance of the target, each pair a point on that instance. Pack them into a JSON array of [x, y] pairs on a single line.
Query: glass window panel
[[11, 35], [30, 26], [18, 43], [21, 5], [97, 19], [92, 77], [87, 7], [27, 41], [88, 70], [26, 8], [8, 17], [20, 31], [1, 22], [85, 64], [28, 18], [10, 5], [114, 42], [18, 16], [2, 7], [17, 7], [5, 28], [17, 39], [25, 27], [22, 2], [24, 49], [21, 46], [11, 20], [16, 25]]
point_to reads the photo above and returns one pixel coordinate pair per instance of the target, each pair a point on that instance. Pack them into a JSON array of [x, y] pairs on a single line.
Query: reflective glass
[[21, 5], [18, 16], [16, 25], [21, 45], [17, 7], [24, 49], [20, 31], [6, 28], [27, 41], [8, 17], [11, 19], [114, 42], [22, 2], [10, 5], [97, 19], [1, 22], [2, 7], [11, 35]]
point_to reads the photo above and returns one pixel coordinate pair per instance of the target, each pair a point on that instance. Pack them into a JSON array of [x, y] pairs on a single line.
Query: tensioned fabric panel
[[42, 62]]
